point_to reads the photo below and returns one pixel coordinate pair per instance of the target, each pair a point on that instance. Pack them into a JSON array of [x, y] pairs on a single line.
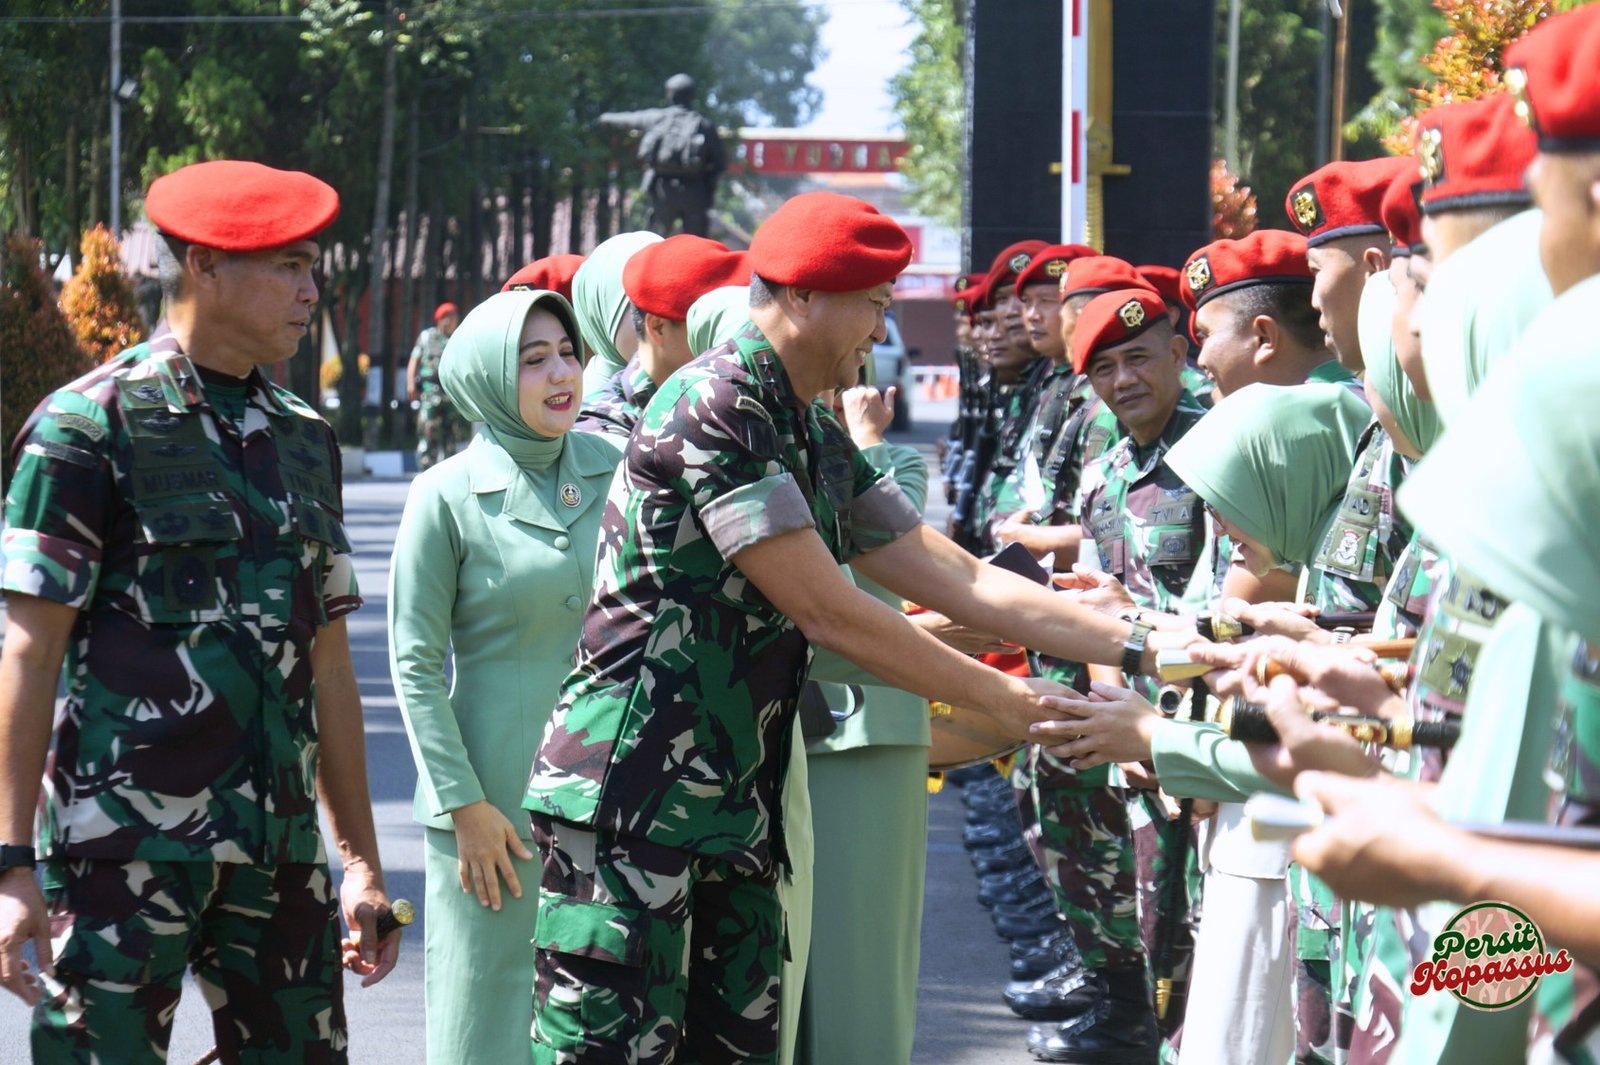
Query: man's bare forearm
[[37, 633], [342, 752], [929, 569]]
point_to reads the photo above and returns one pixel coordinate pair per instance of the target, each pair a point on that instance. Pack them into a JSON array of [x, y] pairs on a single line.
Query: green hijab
[[600, 303], [716, 316], [1417, 418], [479, 371], [1476, 307], [1512, 492], [1274, 459]]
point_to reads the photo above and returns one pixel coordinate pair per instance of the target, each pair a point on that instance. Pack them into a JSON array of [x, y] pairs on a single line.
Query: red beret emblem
[[1132, 314]]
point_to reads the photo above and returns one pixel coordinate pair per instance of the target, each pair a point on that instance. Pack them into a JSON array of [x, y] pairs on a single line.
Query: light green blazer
[[500, 593]]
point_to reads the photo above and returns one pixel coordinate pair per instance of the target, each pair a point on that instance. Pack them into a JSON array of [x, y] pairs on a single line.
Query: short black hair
[[638, 319], [170, 253], [762, 291], [1287, 304]]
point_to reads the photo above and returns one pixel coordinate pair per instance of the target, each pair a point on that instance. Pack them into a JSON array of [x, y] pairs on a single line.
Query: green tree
[[930, 99], [1280, 50], [37, 352]]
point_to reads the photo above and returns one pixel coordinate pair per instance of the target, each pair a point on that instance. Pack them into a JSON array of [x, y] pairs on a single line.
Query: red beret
[[969, 293], [1401, 216], [1473, 154], [664, 278], [1049, 264], [443, 309], [830, 243], [1165, 280], [1095, 274], [1554, 75], [1265, 257], [1012, 261], [1343, 199], [1113, 318], [237, 206], [553, 273]]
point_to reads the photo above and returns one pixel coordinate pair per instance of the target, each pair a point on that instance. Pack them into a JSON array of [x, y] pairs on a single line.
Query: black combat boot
[[1021, 886], [1119, 1029], [1036, 957], [1011, 855], [1063, 994]]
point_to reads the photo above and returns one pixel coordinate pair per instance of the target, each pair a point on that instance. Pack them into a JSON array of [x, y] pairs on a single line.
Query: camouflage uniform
[[1461, 613], [1325, 950], [617, 407], [1149, 530], [441, 431], [1368, 537], [1043, 426], [1047, 791], [1015, 417], [671, 736], [195, 522], [1567, 1005]]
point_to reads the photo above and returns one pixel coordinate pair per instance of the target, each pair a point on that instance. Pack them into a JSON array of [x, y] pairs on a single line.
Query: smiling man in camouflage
[[655, 794]]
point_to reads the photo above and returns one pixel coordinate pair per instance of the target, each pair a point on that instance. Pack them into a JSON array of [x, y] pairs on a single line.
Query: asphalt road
[[960, 1018]]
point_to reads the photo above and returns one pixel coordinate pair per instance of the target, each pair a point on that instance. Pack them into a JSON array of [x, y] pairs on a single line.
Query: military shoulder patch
[[753, 406], [82, 425]]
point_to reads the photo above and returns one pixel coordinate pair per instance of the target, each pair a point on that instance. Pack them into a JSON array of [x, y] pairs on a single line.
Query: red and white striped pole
[[1074, 121]]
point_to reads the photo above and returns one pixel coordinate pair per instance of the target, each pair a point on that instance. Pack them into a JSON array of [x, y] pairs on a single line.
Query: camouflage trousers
[[1323, 1032], [1087, 856], [262, 940], [647, 955], [441, 432]]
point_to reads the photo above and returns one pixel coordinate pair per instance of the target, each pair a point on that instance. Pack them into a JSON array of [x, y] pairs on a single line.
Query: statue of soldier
[[682, 157]]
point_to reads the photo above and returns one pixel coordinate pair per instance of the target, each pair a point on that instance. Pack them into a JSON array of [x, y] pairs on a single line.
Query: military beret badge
[[1132, 314], [1198, 274]]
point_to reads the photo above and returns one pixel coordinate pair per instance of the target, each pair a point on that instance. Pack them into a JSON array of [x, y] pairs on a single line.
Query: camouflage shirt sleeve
[[722, 454], [57, 506]]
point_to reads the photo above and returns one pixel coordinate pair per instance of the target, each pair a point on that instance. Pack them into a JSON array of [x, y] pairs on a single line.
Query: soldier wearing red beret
[[1252, 313], [174, 532], [441, 431], [656, 792], [661, 281], [1338, 208]]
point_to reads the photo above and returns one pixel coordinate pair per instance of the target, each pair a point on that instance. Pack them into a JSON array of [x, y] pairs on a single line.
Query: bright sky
[[866, 42]]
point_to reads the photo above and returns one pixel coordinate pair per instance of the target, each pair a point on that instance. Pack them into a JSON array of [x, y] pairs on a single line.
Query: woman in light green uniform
[[493, 567]]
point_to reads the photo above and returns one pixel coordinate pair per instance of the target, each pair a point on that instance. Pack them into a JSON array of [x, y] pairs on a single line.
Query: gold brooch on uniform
[[1055, 268], [1517, 84], [1132, 314], [1199, 275], [570, 496], [1019, 262], [1430, 156], [1306, 209]]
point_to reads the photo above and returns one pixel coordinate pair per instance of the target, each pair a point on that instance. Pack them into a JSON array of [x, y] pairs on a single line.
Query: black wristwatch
[[12, 857], [1133, 647]]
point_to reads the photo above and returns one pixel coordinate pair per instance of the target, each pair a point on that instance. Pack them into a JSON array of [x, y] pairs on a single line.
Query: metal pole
[[1324, 86], [1230, 113], [1341, 64], [114, 216]]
